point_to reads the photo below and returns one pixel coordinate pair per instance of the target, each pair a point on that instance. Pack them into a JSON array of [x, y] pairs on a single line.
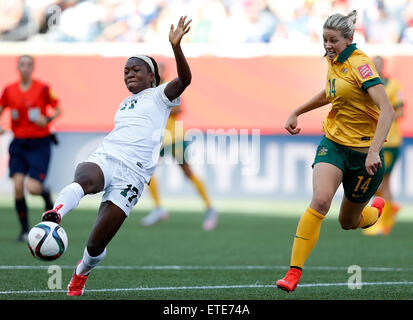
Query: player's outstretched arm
[[315, 102], [175, 88]]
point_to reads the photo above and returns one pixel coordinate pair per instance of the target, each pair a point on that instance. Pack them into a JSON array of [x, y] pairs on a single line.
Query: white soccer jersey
[[140, 123]]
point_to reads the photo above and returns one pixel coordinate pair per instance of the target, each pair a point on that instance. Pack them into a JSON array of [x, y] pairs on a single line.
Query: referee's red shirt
[[26, 106]]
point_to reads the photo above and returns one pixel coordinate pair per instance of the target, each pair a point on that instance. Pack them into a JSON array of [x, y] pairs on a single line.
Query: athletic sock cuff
[[315, 213]]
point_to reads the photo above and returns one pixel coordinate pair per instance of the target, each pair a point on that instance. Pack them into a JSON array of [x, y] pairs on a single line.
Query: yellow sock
[[306, 236], [153, 188], [201, 189], [387, 214], [369, 216]]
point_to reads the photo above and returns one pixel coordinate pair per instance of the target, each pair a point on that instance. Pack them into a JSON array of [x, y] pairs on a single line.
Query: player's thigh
[[109, 220], [34, 186], [326, 180], [90, 176], [384, 189], [358, 185]]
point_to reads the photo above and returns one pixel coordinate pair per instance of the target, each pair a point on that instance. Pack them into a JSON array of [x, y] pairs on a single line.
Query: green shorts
[[358, 185], [177, 150], [390, 158]]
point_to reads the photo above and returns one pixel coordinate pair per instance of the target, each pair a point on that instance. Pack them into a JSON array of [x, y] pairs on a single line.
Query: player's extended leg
[[386, 220], [326, 180], [20, 204], [158, 213], [358, 215], [109, 220], [359, 188], [88, 179], [211, 215]]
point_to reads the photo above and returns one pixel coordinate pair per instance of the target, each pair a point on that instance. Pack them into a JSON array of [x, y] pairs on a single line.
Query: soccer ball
[[47, 241]]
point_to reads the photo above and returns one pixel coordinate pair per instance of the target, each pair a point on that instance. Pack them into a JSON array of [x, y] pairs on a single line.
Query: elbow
[[387, 111], [186, 81]]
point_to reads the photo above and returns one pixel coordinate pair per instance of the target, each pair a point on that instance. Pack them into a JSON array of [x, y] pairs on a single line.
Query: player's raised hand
[[176, 34]]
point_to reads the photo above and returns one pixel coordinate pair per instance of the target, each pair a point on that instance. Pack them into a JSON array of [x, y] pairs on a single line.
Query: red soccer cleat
[[290, 281], [52, 215], [76, 286], [378, 203]]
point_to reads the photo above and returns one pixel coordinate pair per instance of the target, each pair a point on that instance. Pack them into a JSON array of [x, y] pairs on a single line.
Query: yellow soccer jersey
[[174, 131], [353, 117], [393, 89]]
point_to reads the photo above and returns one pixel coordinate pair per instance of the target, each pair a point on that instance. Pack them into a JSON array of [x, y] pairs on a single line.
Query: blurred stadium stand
[[215, 21]]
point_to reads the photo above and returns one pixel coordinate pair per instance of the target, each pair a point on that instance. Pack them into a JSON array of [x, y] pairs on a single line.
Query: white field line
[[256, 267], [246, 286]]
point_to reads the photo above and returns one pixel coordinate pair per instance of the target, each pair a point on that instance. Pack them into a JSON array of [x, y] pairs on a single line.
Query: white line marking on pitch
[[305, 285], [331, 268]]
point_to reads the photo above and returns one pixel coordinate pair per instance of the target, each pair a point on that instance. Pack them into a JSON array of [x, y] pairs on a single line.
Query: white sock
[[69, 198], [88, 262]]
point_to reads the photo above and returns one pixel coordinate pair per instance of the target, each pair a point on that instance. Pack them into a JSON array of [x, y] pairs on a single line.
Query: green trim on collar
[[369, 83], [343, 56]]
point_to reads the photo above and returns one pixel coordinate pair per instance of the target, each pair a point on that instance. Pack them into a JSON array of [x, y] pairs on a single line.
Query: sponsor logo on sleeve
[[365, 71]]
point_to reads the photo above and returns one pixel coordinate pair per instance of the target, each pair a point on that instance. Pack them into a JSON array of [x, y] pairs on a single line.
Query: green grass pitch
[[241, 259]]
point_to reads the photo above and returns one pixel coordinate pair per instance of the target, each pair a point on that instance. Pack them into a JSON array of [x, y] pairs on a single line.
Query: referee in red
[[29, 101]]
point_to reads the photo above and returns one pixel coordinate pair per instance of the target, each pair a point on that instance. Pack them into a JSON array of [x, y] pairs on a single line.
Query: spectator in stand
[[15, 22], [217, 21], [382, 27]]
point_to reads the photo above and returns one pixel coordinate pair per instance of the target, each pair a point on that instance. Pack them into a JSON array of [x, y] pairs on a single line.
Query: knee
[[347, 224], [321, 203], [87, 183], [89, 179], [34, 187]]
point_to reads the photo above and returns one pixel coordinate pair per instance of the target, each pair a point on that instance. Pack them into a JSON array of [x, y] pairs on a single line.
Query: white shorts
[[123, 186]]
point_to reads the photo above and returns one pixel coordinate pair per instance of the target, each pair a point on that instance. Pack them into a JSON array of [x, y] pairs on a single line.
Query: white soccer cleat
[[210, 220], [154, 216]]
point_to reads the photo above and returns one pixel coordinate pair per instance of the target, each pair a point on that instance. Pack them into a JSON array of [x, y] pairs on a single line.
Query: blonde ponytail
[[345, 24]]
